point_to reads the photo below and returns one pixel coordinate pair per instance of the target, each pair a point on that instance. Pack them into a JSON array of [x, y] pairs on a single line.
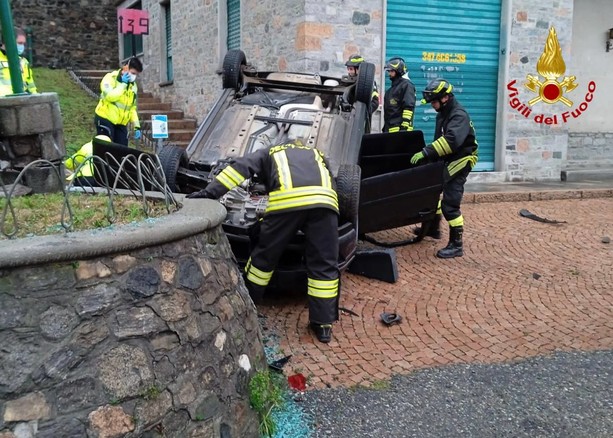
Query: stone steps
[[180, 129]]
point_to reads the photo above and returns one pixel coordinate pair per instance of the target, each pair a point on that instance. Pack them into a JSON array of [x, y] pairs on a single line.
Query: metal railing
[[131, 176]]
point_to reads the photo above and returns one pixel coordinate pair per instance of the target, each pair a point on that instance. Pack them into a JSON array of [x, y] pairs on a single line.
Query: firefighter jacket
[[117, 100], [27, 77], [398, 106], [374, 100], [75, 160], [296, 177], [455, 140]]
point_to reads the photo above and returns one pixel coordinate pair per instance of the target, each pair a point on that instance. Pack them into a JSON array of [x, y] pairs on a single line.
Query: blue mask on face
[[21, 48]]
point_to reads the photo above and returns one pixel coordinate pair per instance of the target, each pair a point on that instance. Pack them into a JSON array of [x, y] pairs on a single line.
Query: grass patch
[[40, 214], [76, 105], [265, 394]]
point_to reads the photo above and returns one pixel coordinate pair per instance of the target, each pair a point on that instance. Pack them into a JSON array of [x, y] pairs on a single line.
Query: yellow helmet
[[103, 138]]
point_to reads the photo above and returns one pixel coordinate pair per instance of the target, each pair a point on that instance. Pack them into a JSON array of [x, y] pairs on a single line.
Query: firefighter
[[399, 99], [454, 142], [301, 196], [353, 67], [85, 175], [27, 77], [117, 105]]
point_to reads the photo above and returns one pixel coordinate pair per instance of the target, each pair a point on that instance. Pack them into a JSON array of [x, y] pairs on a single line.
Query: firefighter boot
[[454, 247], [435, 228], [322, 331]]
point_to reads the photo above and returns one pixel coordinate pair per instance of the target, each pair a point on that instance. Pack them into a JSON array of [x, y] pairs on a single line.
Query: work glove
[[417, 157], [394, 129], [199, 194], [125, 77], [137, 134]]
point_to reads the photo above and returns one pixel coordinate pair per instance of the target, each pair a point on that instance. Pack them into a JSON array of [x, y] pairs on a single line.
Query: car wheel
[[172, 157], [365, 83], [232, 69], [348, 190]]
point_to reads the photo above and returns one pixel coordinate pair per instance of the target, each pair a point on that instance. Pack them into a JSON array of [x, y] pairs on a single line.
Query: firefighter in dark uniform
[[353, 67], [301, 196], [455, 142], [399, 99]]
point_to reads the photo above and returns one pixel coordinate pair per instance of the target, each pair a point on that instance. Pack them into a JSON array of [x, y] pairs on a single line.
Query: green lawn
[[76, 105]]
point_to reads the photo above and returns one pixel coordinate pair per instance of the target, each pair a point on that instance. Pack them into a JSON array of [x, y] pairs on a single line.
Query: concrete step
[[579, 175], [173, 124], [172, 114], [150, 105], [145, 94], [181, 135]]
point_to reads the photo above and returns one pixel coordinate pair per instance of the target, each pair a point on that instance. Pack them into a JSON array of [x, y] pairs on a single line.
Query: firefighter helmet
[[396, 64], [436, 89], [354, 61]]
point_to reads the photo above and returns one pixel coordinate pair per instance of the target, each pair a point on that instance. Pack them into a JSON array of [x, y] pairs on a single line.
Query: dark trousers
[[453, 191], [117, 133], [320, 227]]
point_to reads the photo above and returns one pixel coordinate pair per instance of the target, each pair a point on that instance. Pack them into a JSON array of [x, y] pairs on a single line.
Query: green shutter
[[169, 70], [234, 24], [456, 40]]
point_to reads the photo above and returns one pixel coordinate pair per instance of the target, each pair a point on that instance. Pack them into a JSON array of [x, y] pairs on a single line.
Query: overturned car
[[377, 187]]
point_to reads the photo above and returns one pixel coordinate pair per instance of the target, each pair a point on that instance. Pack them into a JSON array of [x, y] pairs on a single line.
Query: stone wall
[[70, 33], [296, 35], [534, 151], [31, 129], [157, 338], [589, 150]]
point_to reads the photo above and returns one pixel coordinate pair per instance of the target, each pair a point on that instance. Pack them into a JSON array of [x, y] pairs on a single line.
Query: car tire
[[365, 83], [172, 157], [348, 190], [232, 69]]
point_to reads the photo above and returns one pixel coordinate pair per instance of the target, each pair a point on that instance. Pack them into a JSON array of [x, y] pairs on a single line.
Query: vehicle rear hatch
[[395, 193]]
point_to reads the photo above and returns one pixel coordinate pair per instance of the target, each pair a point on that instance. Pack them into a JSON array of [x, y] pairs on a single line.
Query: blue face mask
[[21, 48]]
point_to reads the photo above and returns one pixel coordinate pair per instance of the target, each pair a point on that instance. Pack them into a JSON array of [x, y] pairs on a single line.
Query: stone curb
[[196, 216], [546, 195]]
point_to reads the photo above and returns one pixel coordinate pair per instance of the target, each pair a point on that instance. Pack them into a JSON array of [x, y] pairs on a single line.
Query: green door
[[456, 40]]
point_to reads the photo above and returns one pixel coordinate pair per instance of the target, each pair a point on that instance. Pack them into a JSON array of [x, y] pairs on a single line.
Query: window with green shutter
[[234, 24], [132, 45], [168, 47]]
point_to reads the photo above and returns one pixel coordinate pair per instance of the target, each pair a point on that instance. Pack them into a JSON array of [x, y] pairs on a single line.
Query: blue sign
[[159, 126]]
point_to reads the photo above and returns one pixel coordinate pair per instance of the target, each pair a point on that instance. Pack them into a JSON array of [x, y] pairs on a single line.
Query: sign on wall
[[133, 21]]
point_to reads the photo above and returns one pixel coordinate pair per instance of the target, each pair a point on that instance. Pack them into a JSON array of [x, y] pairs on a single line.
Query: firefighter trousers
[[320, 227], [453, 191]]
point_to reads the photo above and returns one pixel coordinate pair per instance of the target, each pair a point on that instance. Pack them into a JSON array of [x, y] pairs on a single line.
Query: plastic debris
[[297, 382]]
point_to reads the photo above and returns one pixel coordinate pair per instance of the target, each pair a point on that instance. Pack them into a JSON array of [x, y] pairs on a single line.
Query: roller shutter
[[457, 40], [234, 24]]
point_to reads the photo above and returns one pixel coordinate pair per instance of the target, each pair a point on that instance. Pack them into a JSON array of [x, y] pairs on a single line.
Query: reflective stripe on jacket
[[117, 100], [296, 177]]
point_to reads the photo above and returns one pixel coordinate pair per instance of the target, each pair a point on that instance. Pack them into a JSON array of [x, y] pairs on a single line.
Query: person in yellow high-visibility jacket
[[117, 105], [6, 87], [85, 175]]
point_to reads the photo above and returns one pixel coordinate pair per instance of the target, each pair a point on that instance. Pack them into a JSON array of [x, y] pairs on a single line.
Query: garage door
[[456, 40]]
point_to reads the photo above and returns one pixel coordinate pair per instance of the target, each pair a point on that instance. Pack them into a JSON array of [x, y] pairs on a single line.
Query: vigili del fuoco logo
[[551, 90]]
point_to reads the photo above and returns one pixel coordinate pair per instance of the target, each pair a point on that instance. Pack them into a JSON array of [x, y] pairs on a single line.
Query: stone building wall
[[534, 151], [296, 35], [70, 33], [161, 338]]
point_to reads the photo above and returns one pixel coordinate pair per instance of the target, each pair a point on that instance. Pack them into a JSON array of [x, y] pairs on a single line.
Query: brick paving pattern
[[522, 289]]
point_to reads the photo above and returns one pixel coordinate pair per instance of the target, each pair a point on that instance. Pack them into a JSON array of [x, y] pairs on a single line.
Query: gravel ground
[[562, 395]]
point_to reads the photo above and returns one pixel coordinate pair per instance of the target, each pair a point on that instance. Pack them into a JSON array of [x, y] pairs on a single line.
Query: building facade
[[534, 119]]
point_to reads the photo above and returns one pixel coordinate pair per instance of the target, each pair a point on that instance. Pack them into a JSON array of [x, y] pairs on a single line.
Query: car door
[[393, 192]]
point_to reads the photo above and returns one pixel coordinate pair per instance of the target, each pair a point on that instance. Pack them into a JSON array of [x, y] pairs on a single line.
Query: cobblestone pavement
[[522, 289]]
